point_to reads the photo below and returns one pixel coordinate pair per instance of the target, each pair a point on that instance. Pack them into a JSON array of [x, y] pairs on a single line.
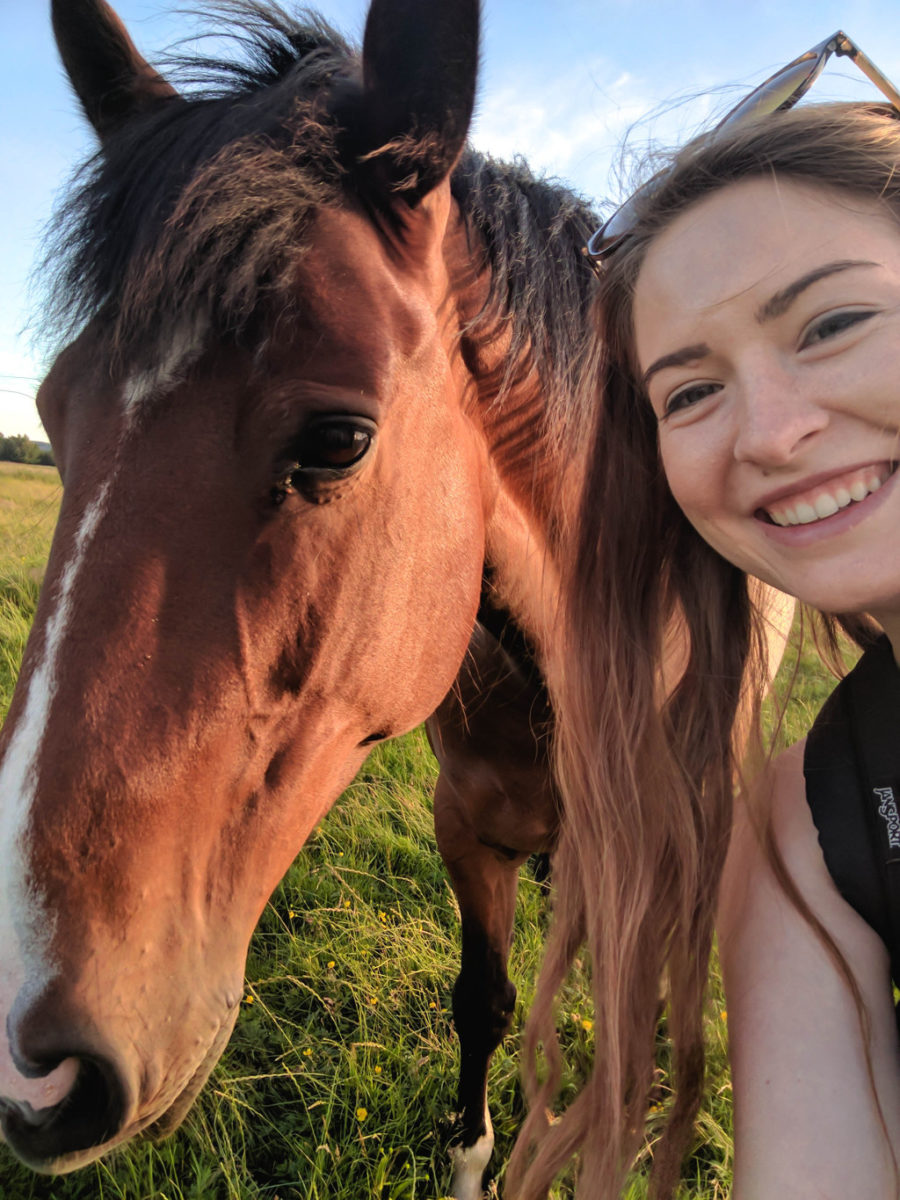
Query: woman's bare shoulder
[[779, 796], [807, 1123]]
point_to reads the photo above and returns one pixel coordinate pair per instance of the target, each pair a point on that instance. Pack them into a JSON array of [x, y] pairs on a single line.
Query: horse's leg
[[494, 806], [484, 880]]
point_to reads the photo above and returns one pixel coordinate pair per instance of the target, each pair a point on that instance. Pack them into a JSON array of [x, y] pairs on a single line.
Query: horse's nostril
[[91, 1114]]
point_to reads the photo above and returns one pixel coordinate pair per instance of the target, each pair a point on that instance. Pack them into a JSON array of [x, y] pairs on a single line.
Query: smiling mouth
[[824, 500]]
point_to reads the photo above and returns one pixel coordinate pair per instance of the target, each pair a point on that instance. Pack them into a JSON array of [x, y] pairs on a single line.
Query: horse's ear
[[111, 79], [420, 65]]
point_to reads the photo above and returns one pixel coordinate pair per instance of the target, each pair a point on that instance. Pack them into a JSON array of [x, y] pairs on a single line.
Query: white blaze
[[25, 928], [186, 345], [25, 932]]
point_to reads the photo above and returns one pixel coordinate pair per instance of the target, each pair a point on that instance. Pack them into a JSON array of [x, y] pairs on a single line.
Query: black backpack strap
[[873, 701], [852, 771]]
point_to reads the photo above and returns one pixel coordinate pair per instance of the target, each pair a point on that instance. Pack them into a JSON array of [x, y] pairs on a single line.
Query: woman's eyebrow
[[677, 358], [775, 306], [778, 304]]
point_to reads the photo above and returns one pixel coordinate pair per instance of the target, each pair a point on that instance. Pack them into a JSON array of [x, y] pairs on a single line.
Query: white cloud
[[574, 128]]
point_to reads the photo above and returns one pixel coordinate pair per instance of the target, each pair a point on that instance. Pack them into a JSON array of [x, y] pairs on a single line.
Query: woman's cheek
[[700, 488], [692, 479]]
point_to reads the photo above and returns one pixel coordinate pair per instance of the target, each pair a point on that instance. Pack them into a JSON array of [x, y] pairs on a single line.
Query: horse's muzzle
[[110, 1099], [90, 1115], [88, 1099]]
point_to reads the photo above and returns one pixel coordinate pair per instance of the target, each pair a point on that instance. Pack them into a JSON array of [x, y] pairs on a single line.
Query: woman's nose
[[776, 418]]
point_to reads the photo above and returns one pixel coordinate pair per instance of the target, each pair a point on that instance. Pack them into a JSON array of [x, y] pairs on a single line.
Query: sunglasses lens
[[781, 91], [620, 224], [609, 234]]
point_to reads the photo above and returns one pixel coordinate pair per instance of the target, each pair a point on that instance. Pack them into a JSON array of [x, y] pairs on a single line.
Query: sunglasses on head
[[781, 91]]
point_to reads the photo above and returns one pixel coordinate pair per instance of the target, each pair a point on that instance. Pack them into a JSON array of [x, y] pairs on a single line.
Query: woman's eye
[[689, 396], [832, 324]]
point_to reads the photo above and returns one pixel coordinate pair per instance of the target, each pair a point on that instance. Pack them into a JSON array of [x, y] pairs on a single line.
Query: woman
[[751, 424]]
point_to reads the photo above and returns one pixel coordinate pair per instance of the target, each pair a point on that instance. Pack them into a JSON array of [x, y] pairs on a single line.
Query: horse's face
[[266, 560]]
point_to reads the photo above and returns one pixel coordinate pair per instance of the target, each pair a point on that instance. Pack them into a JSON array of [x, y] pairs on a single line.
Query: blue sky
[[562, 83]]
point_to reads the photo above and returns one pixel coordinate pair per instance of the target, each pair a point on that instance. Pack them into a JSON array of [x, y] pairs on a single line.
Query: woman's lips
[[825, 499], [809, 534]]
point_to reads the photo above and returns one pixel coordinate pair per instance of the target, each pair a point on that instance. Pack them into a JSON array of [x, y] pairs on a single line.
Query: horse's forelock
[[199, 206]]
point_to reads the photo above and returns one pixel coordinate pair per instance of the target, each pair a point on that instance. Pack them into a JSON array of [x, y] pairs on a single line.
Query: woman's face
[[767, 325]]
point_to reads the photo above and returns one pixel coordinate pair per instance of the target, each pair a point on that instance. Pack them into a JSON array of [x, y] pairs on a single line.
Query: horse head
[[270, 546]]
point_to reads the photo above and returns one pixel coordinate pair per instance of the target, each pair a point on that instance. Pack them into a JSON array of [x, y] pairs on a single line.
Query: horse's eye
[[335, 443], [328, 450]]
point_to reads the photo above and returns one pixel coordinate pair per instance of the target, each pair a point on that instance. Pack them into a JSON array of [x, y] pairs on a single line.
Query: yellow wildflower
[[587, 1025], [361, 1114]]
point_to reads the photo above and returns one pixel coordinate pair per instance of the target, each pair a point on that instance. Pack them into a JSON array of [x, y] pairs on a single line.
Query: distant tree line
[[22, 449]]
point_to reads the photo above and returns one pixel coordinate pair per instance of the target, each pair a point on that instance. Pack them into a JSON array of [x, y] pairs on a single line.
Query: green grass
[[339, 1078], [29, 499]]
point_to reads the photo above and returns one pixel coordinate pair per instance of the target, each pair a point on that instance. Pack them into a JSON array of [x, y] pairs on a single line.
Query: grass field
[[339, 1078]]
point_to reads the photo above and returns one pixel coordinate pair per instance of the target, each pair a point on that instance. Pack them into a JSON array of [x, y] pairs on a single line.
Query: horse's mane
[[202, 204], [541, 289]]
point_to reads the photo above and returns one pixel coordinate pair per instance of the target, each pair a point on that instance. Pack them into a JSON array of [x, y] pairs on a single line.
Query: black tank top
[[852, 771]]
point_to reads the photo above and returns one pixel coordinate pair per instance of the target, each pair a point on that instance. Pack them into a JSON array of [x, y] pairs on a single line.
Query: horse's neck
[[530, 489]]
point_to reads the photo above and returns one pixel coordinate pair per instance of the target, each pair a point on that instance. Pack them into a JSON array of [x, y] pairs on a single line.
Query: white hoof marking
[[470, 1162]]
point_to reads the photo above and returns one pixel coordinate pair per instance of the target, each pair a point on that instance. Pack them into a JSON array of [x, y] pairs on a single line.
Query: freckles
[[699, 464], [688, 477]]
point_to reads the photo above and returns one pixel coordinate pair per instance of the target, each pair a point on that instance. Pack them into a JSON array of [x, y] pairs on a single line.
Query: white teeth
[[826, 506]]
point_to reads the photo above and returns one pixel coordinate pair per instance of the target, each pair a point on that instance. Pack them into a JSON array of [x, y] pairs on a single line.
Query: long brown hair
[[646, 769]]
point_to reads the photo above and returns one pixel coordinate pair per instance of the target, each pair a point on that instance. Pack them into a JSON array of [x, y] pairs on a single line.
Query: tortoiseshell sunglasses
[[781, 91]]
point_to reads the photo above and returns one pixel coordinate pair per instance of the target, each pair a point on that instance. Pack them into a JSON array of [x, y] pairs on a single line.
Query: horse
[[320, 425]]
